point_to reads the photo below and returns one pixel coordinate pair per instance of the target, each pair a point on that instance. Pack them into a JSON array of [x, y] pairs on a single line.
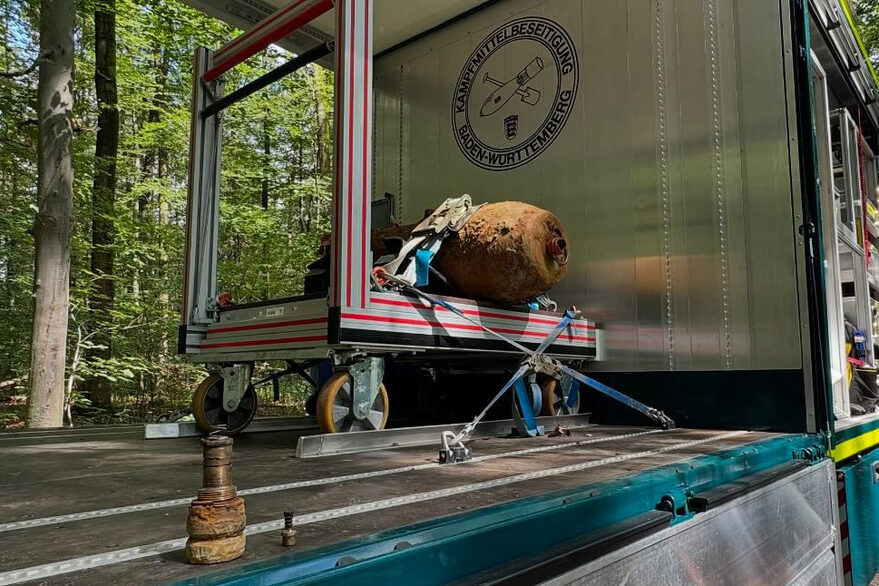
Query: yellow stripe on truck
[[853, 446]]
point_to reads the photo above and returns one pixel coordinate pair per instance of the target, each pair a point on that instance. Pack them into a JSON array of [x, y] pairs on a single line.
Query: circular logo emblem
[[515, 93]]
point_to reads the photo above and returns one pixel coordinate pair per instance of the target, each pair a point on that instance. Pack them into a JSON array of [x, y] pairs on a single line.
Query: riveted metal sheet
[[610, 277], [769, 215], [672, 172], [647, 186], [737, 300], [694, 245]]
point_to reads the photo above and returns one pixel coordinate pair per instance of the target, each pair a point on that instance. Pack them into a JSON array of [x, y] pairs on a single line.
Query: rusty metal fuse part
[[288, 534], [216, 518]]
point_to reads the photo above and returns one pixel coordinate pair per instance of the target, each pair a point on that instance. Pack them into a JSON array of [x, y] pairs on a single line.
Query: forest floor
[[13, 409]]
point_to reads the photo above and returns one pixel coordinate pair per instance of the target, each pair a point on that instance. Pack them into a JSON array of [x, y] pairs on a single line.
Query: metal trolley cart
[[353, 327]]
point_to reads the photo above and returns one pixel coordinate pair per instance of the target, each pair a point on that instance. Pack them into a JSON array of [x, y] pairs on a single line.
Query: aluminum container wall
[[658, 131]]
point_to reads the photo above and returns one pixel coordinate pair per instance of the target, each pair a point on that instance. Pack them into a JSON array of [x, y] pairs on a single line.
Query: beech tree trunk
[[55, 207], [324, 155], [103, 195]]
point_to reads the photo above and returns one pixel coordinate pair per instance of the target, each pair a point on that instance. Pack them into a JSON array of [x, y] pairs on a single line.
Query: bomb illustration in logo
[[515, 93]]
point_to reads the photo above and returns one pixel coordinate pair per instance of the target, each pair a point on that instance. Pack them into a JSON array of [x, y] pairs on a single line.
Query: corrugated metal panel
[[671, 173]]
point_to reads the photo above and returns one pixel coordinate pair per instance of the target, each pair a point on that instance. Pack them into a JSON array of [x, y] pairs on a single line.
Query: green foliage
[[867, 16], [263, 249]]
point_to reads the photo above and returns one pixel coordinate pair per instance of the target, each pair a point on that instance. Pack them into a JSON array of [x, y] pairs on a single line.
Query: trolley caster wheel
[[555, 401], [207, 407], [335, 408]]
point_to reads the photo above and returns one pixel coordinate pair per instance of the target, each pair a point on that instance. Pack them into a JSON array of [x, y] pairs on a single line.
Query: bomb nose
[[557, 248]]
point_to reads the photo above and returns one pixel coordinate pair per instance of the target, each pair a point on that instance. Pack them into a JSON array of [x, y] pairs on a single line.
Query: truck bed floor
[[81, 476]]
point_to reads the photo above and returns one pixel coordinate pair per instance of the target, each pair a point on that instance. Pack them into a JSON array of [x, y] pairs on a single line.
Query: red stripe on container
[[454, 326], [301, 322], [350, 152], [478, 313], [339, 154], [363, 277], [251, 48], [228, 47], [293, 340]]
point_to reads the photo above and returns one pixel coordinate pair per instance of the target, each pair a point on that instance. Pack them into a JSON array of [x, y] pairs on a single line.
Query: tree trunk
[[300, 178], [53, 222], [103, 195], [323, 127], [266, 170], [266, 161], [12, 269], [164, 298], [324, 154]]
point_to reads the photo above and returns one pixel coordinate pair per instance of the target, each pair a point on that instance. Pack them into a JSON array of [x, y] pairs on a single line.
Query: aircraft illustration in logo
[[516, 86]]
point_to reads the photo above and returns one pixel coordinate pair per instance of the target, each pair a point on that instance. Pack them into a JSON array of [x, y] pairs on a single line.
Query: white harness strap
[[451, 216]]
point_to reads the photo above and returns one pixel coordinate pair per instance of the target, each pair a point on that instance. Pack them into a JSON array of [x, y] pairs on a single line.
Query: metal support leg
[[367, 377], [276, 389], [352, 189], [236, 378]]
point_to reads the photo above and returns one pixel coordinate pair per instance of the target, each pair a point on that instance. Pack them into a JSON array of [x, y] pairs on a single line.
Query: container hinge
[[810, 454], [808, 230]]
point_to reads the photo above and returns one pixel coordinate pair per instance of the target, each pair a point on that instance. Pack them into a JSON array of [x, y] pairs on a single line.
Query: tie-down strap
[[538, 362]]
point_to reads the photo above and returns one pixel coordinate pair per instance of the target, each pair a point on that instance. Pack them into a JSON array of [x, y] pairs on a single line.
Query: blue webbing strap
[[525, 409], [573, 394], [654, 414], [442, 303], [464, 433], [423, 256], [567, 319]]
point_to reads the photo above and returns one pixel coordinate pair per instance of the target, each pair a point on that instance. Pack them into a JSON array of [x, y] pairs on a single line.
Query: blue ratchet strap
[[464, 433], [442, 303], [566, 320], [650, 412], [459, 313], [573, 394], [654, 414], [525, 407], [422, 266]]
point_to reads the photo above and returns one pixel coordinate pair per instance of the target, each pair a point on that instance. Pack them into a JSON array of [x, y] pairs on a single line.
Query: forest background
[[129, 197]]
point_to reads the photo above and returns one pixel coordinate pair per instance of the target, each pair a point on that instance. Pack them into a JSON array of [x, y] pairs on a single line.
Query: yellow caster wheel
[[555, 401], [335, 407], [207, 407]]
